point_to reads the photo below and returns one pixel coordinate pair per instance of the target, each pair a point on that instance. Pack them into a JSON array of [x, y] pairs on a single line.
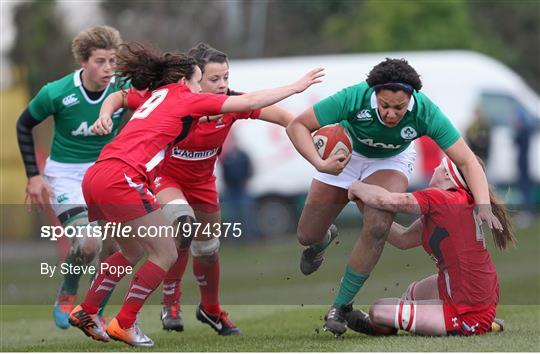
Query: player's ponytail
[[148, 68], [506, 236]]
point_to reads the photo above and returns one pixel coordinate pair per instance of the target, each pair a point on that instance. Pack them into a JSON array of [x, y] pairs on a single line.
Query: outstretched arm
[[276, 115], [379, 198], [263, 98]]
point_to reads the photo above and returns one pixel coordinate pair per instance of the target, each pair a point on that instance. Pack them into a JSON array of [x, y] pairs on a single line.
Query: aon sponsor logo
[[370, 142], [83, 130]]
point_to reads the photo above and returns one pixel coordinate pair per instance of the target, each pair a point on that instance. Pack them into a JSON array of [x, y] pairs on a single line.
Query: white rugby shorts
[[65, 181], [361, 167]]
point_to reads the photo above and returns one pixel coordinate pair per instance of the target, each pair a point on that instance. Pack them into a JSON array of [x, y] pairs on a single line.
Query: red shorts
[[116, 192], [201, 196], [468, 321]]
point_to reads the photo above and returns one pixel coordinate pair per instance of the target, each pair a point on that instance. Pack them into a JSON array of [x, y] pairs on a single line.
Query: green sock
[[351, 283], [321, 246], [71, 281]]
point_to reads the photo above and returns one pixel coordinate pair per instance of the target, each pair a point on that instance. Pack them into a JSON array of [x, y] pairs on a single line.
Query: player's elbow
[[292, 126]]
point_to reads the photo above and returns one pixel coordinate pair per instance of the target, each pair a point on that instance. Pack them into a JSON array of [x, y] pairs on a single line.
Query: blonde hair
[[90, 39]]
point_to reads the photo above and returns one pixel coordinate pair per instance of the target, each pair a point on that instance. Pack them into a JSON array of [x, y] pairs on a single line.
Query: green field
[[277, 308], [265, 328]]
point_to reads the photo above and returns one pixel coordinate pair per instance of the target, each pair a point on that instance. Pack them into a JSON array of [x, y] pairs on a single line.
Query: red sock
[[171, 284], [144, 282], [104, 283], [207, 275]]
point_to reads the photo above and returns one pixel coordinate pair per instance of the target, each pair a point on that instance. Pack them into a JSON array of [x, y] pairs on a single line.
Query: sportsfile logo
[[70, 100], [193, 155], [364, 115]]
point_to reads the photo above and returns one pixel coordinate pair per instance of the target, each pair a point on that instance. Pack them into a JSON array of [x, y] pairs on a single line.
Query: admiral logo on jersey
[[70, 100], [193, 155]]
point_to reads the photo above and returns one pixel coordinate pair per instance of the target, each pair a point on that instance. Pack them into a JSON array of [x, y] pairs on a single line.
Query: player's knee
[[89, 250], [205, 249], [376, 229], [85, 248], [178, 212], [306, 238]]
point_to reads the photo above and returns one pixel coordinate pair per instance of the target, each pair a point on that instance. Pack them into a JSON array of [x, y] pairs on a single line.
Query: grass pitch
[[264, 328], [276, 307]]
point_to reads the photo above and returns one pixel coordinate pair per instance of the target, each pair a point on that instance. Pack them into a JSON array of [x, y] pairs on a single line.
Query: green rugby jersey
[[74, 113], [355, 108]]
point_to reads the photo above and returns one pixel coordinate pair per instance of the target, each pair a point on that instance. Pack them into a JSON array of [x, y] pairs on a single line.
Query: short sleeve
[[41, 105], [205, 104], [339, 106], [422, 197], [432, 200], [136, 98], [441, 129], [437, 202]]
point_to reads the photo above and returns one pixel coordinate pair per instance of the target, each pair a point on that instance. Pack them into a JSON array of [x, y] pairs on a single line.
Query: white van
[[457, 81]]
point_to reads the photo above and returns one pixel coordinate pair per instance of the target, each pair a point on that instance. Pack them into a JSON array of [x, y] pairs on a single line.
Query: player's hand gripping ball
[[331, 140]]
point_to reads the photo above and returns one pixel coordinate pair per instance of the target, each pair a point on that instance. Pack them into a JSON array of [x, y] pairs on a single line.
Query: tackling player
[[462, 298], [186, 189], [74, 102], [117, 187], [383, 116]]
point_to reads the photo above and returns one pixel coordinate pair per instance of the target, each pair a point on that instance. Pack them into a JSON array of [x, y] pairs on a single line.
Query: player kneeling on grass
[[462, 298]]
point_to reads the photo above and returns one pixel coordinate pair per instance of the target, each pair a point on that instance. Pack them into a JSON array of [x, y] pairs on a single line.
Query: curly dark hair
[[394, 71], [148, 68], [205, 54]]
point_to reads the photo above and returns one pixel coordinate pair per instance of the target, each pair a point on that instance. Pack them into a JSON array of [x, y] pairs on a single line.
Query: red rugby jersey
[[193, 159], [467, 275], [162, 120]]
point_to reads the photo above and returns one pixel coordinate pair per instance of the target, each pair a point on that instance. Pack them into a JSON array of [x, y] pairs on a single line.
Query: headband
[[395, 85], [454, 173]]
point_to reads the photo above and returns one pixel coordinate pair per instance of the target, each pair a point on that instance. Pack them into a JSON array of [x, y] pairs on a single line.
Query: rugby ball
[[331, 140]]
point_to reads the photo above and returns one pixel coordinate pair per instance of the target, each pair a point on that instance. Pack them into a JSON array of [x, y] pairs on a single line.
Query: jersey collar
[[410, 107], [77, 78], [78, 83]]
